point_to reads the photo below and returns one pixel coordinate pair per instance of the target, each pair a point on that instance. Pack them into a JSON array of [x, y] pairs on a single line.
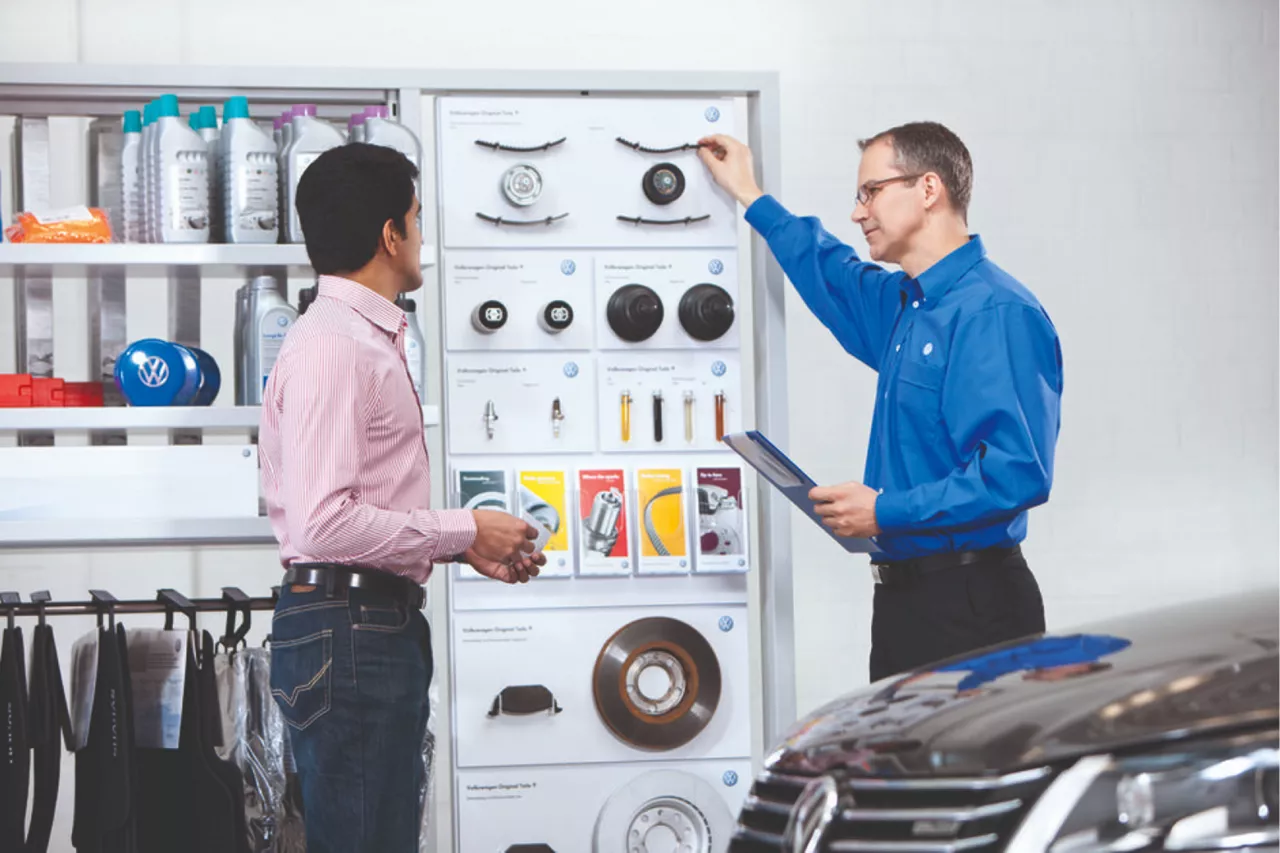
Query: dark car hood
[[1135, 680]]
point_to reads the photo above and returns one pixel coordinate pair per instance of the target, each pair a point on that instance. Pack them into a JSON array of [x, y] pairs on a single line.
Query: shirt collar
[[373, 307], [942, 276]]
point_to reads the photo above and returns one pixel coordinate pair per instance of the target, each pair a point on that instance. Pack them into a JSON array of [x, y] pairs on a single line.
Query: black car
[[1155, 732]]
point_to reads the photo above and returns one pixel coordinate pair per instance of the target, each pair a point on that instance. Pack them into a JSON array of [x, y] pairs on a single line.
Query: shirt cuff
[[766, 212], [457, 533], [893, 513]]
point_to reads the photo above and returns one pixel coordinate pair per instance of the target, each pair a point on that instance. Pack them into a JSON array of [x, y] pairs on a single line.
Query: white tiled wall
[[1126, 171]]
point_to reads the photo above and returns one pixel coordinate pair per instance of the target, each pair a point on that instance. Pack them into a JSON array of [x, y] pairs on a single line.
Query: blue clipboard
[[787, 477]]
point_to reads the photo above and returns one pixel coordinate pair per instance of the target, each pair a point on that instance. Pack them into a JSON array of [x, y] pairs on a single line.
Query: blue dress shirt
[[967, 404]]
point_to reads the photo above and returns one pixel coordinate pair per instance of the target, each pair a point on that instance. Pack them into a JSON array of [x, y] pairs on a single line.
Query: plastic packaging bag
[[70, 225]]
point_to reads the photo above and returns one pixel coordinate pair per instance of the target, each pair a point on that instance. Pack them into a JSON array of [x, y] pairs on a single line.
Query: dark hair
[[926, 146], [346, 196]]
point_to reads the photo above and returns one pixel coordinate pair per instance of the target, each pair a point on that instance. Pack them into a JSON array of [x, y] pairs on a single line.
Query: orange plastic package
[[71, 225]]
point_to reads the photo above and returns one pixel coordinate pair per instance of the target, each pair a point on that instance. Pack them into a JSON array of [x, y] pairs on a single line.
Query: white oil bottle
[[181, 176], [131, 177], [309, 138], [250, 180]]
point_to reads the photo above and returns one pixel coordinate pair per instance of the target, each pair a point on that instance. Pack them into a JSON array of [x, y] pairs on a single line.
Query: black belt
[[335, 579], [905, 572]]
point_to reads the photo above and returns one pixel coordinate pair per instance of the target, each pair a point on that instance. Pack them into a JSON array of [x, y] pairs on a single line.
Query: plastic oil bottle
[[268, 318], [308, 139], [131, 176], [147, 234], [379, 129], [180, 178], [250, 180], [207, 126], [415, 348]]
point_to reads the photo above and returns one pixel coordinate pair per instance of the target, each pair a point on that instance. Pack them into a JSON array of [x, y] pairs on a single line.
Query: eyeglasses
[[868, 191]]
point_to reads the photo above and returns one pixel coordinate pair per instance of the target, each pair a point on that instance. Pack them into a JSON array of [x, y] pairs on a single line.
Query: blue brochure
[[787, 478]]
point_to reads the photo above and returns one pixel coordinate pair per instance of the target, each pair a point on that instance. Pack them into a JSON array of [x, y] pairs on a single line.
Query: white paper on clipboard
[[788, 478]]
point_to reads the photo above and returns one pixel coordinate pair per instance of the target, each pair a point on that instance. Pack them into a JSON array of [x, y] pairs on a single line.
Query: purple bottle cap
[[303, 110], [277, 122], [356, 118], [379, 111]]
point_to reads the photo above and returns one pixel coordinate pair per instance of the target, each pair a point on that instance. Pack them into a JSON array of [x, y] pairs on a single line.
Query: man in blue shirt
[[967, 403]]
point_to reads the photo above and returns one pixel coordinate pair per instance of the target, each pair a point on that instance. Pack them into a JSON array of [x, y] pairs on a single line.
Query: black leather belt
[[905, 572], [335, 579]]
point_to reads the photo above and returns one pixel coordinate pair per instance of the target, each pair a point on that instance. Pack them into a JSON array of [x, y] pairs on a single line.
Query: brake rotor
[[672, 712]]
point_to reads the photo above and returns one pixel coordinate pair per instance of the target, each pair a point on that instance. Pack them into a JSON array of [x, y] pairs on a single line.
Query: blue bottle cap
[[209, 117], [152, 372], [167, 107], [193, 121], [235, 107], [132, 121]]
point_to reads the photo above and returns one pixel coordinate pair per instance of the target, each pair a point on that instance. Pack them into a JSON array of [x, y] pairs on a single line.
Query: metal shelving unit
[[82, 256], [148, 419]]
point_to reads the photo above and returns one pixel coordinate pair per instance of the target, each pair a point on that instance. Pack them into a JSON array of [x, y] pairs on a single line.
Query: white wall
[[1126, 171]]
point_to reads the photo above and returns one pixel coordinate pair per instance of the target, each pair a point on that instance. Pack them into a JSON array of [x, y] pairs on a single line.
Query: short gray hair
[[926, 146]]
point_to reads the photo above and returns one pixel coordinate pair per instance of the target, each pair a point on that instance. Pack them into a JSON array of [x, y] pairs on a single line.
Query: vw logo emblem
[[730, 778], [712, 114], [718, 368], [716, 267], [571, 369], [812, 816], [726, 624], [282, 321], [568, 267], [154, 372]]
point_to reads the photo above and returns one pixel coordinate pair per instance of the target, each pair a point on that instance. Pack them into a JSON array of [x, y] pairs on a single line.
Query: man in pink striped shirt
[[347, 484]]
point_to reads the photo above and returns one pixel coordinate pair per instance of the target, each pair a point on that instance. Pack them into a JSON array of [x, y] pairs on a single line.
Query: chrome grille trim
[[960, 815], [957, 846], [976, 783], [771, 778], [746, 833], [756, 803]]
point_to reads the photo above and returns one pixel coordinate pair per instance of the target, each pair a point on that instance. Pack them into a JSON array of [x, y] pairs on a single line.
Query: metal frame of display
[[86, 90]]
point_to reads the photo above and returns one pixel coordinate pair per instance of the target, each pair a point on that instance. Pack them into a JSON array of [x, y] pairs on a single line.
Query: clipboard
[[788, 478]]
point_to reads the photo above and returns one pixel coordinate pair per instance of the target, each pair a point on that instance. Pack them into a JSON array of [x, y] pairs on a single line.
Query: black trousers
[[953, 611]]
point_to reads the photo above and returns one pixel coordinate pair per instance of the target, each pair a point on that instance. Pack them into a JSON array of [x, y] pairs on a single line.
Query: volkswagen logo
[[715, 267], [726, 623], [718, 368], [154, 372], [730, 778], [812, 816], [571, 369], [712, 114], [568, 267]]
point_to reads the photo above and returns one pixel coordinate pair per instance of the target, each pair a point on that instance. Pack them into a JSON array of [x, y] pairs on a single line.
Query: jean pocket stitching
[[306, 608], [388, 629], [292, 697]]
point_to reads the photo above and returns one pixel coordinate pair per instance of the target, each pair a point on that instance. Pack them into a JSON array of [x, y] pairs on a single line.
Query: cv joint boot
[[634, 313], [706, 312]]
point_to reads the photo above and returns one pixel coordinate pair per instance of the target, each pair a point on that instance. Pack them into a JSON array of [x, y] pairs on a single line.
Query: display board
[[593, 360]]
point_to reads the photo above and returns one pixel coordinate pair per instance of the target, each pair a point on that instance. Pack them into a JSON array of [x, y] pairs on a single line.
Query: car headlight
[[1203, 795]]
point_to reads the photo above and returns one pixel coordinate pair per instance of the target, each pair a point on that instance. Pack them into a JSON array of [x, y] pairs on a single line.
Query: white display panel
[[525, 283], [128, 482], [523, 389], [590, 176], [674, 373], [494, 651], [581, 809], [670, 275]]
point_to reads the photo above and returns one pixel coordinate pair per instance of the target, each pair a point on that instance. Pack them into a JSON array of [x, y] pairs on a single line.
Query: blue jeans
[[350, 676]]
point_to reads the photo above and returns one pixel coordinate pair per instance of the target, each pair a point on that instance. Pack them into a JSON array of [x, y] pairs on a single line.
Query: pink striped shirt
[[343, 456]]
